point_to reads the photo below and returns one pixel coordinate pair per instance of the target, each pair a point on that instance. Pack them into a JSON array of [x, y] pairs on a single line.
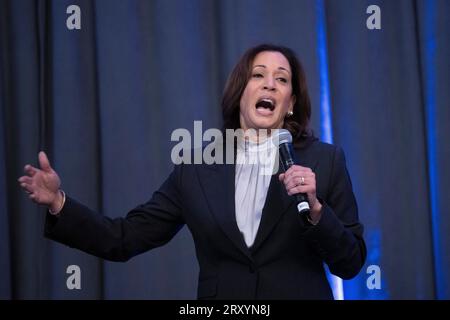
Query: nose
[[269, 84]]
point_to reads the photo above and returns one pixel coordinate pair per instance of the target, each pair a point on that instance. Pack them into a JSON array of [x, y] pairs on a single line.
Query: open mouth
[[266, 103]]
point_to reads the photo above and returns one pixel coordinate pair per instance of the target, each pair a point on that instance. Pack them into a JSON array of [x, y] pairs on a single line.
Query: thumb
[[281, 177], [43, 162]]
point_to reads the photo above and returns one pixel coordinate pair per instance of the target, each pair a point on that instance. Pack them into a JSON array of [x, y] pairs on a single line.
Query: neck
[[257, 135]]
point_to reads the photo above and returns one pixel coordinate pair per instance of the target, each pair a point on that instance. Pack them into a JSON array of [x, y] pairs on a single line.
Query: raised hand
[[42, 184]]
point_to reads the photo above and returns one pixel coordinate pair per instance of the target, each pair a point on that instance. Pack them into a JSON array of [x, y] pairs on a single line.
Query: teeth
[[266, 103], [268, 100]]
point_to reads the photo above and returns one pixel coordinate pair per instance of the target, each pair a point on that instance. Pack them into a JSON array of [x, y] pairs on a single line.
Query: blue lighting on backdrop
[[325, 112], [429, 54]]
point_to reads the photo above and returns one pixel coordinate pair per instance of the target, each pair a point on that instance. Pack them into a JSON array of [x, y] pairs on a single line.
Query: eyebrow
[[263, 66]]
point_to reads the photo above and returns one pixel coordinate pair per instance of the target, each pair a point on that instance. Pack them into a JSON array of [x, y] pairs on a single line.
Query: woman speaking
[[251, 241]]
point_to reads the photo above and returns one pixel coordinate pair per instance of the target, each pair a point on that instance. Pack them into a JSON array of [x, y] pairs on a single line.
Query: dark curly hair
[[298, 123]]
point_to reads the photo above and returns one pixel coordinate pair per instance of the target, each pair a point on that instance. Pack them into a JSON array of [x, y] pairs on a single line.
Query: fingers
[[299, 177], [281, 177], [39, 183], [43, 162], [27, 186], [299, 189], [25, 179], [297, 168], [30, 189], [30, 170], [34, 196], [26, 183]]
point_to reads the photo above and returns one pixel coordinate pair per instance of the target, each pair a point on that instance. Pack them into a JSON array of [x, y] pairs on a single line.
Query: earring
[[289, 114]]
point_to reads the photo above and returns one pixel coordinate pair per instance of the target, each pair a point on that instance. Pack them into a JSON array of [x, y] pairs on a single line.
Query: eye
[[257, 75], [284, 80]]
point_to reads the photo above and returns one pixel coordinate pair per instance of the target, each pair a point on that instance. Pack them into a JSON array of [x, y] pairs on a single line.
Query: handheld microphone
[[287, 160]]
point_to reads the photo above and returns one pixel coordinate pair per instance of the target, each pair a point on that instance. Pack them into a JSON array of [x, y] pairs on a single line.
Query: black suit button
[[252, 268]]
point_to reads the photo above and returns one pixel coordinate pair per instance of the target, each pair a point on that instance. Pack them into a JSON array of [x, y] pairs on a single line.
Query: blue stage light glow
[[429, 77], [325, 112]]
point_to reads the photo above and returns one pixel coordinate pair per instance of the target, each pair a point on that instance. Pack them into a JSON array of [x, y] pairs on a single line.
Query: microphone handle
[[302, 203], [287, 161]]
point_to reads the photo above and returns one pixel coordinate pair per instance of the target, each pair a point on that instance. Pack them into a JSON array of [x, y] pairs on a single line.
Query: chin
[[265, 124]]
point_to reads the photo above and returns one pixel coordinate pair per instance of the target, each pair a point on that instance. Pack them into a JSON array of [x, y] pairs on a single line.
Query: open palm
[[42, 184]]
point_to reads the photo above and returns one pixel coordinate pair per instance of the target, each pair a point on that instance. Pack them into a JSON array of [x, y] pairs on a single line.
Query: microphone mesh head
[[283, 136]]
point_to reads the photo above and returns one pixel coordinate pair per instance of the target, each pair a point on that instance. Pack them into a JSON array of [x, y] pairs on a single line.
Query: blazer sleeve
[[338, 237], [145, 227]]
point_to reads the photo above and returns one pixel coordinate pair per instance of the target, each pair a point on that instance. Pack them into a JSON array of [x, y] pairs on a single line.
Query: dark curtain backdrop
[[102, 102]]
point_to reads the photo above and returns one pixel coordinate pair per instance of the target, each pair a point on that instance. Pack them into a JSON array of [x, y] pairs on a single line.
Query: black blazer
[[286, 259]]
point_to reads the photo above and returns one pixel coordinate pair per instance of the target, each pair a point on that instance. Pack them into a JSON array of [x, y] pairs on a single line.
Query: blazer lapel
[[218, 185], [278, 201]]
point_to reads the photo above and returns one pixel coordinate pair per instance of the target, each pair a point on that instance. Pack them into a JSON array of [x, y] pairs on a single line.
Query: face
[[268, 95]]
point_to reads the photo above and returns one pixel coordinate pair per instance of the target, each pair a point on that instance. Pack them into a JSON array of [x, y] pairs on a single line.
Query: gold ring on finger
[[302, 181]]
